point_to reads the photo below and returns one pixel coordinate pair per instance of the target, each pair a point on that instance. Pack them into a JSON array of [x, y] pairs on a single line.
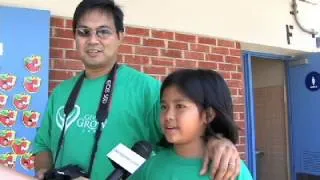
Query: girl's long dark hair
[[207, 89]]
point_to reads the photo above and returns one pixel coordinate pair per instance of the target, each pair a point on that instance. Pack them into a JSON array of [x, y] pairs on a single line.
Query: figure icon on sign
[[313, 81]]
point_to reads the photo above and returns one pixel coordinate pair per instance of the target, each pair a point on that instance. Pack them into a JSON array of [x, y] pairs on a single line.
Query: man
[[126, 111]]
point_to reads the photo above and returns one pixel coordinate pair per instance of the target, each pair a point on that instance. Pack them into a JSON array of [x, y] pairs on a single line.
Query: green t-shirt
[[133, 116], [167, 165]]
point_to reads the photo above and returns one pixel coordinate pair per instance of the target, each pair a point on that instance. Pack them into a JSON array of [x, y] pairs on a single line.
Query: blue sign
[[313, 81], [24, 83]]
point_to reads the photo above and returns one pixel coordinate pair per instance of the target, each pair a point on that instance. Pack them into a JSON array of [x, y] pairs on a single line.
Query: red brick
[[67, 64], [162, 61], [56, 53], [132, 40], [185, 37], [214, 57], [226, 43], [126, 49], [220, 50], [241, 148], [162, 34], [225, 74], [242, 140], [69, 23], [200, 48], [241, 124], [173, 69], [227, 67], [57, 22], [241, 92], [238, 46], [193, 55], [235, 83], [233, 60], [238, 108], [236, 117], [177, 45], [238, 100], [241, 114], [133, 59], [53, 85], [171, 53], [239, 68], [235, 52], [153, 42], [120, 58], [154, 70], [72, 54], [234, 91], [137, 31], [62, 43], [207, 40], [236, 75], [242, 132], [147, 51], [207, 65], [63, 33], [186, 63], [61, 74]]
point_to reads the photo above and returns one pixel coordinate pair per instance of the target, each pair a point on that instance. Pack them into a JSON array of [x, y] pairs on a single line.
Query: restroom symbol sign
[[313, 81]]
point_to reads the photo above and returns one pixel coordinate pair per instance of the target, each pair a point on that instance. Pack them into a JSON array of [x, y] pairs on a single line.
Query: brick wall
[[157, 53]]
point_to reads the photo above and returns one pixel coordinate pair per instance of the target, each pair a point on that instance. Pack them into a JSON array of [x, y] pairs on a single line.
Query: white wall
[[258, 24]]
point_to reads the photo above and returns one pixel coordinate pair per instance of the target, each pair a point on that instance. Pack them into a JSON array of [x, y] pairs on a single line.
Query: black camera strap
[[101, 114]]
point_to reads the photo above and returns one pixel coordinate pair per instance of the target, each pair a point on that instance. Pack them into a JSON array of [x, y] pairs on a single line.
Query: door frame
[[250, 108]]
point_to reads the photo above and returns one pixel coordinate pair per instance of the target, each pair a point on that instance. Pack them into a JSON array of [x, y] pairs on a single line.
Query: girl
[[196, 105]]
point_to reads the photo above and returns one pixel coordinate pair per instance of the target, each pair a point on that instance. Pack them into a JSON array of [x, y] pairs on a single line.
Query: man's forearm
[[43, 160]]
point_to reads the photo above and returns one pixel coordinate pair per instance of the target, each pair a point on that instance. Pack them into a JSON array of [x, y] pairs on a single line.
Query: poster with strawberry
[[21, 101], [33, 63], [20, 146], [24, 82], [8, 160], [27, 161], [7, 82], [7, 138], [32, 84], [8, 118], [3, 100], [31, 119]]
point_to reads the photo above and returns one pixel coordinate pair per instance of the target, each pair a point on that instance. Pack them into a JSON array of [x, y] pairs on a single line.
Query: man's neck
[[93, 73], [193, 149]]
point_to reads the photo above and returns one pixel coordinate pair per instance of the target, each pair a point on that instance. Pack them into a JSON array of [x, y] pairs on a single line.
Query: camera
[[65, 173]]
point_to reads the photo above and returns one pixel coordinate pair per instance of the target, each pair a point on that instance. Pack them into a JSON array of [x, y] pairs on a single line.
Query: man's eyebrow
[[103, 26]]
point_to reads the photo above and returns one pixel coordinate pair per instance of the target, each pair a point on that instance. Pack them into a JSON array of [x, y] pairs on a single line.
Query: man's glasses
[[102, 32]]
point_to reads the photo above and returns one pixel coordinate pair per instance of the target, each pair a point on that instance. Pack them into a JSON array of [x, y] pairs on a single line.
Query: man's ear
[[210, 115]]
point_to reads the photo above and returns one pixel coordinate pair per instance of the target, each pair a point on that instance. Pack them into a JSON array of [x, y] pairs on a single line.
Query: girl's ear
[[210, 115]]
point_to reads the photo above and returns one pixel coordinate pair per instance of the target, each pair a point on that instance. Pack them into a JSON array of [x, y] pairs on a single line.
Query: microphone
[[127, 161]]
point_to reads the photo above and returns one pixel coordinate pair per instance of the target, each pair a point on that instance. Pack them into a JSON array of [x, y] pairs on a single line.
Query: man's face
[[97, 40]]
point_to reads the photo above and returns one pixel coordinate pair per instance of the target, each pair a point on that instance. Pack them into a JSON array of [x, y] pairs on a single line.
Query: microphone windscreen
[[143, 148]]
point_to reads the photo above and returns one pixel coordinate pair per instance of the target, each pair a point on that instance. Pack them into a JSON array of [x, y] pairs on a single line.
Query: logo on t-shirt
[[86, 122], [72, 117]]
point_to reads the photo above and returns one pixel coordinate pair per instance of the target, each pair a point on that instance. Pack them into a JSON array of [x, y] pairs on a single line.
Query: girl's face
[[181, 120]]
